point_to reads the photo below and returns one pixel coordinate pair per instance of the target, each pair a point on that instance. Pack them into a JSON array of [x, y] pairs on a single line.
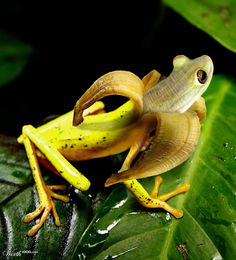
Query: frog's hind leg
[[66, 170], [45, 193], [32, 139]]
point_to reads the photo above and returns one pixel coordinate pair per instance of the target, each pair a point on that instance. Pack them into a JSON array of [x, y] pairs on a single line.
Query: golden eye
[[201, 76]]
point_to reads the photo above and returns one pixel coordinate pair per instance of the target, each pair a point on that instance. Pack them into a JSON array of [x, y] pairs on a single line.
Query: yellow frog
[[161, 121]]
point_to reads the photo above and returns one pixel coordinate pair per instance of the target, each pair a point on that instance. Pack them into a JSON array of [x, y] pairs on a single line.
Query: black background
[[76, 42]]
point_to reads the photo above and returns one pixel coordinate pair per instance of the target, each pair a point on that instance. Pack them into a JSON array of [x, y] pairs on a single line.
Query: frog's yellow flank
[[161, 121]]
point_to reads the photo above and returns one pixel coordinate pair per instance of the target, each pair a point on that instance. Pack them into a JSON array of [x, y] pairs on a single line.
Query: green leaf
[[18, 197], [217, 18], [207, 230], [14, 55], [121, 227]]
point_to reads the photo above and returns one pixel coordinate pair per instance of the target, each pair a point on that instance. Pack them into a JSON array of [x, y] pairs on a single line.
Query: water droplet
[[235, 157], [133, 213], [226, 144], [168, 216], [77, 191], [82, 256]]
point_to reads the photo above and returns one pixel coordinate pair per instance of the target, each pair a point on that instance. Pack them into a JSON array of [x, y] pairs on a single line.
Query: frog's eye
[[201, 76]]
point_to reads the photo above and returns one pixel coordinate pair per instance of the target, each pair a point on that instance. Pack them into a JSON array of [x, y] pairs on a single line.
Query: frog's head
[[187, 82], [194, 76]]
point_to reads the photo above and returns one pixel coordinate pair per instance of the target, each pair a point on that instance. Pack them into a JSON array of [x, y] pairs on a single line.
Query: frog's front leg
[[152, 200], [32, 139]]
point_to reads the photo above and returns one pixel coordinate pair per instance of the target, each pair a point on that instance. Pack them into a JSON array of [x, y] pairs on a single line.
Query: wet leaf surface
[[18, 197], [121, 228], [207, 230]]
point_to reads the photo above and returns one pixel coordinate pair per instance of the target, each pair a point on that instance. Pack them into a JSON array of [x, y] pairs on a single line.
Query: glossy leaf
[[18, 197], [217, 18], [207, 230], [14, 55], [122, 228]]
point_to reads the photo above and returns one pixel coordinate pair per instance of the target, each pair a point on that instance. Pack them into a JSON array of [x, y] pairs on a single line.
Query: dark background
[[75, 43]]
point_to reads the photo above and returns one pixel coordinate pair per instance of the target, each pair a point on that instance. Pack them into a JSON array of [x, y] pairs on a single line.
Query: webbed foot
[[152, 200], [158, 180], [46, 206]]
